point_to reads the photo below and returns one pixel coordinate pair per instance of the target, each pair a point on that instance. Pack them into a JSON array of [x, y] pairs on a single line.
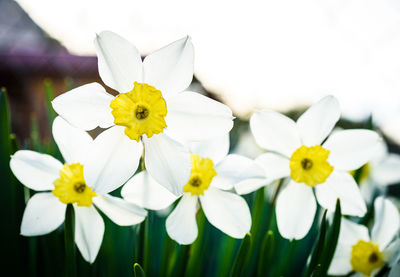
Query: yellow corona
[[366, 257], [141, 110], [201, 175], [309, 165], [71, 187]]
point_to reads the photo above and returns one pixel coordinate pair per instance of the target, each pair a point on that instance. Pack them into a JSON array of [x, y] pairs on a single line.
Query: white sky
[[274, 54]]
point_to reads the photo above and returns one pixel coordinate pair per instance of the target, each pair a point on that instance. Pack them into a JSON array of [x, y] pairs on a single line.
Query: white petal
[[120, 211], [168, 162], [381, 152], [341, 185], [193, 116], [89, 230], [120, 64], [391, 254], [395, 271], [181, 223], [275, 132], [350, 149], [295, 210], [170, 69], [42, 215], [275, 166], [351, 233], [340, 264], [250, 185], [85, 107], [387, 171], [215, 149], [234, 169], [34, 170], [112, 160], [144, 191], [318, 121], [368, 190], [72, 142], [227, 211], [386, 223]]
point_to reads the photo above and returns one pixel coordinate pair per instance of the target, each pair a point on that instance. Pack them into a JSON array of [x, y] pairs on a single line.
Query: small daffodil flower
[[151, 108], [213, 174], [61, 184], [382, 170], [364, 254], [301, 150]]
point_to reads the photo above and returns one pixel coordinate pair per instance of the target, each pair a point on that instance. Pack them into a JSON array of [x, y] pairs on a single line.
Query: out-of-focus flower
[[59, 185], [213, 173], [150, 109], [299, 150], [382, 170], [359, 252]]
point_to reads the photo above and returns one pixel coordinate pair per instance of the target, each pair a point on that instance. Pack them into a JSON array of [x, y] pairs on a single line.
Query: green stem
[[271, 204], [146, 246], [69, 237]]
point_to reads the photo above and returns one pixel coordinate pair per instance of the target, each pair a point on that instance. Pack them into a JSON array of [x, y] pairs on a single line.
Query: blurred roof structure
[[26, 48]]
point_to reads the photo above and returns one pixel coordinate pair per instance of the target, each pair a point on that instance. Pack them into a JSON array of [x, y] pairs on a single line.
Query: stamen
[[195, 181], [306, 164], [79, 187], [141, 112], [373, 258]]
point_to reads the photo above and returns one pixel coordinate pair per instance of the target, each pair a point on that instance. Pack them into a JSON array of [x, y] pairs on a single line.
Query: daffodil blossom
[[59, 185], [213, 174], [152, 107], [381, 171], [364, 254], [299, 150]]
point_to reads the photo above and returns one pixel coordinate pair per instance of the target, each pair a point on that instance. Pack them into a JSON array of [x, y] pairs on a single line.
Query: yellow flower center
[[71, 187], [309, 165], [141, 110], [201, 175], [366, 257]]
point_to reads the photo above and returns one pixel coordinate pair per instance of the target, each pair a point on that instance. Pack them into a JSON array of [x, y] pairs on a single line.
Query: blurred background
[[281, 55]]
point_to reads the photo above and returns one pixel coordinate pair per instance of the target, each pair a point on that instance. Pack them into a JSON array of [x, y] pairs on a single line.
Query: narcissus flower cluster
[[181, 140]]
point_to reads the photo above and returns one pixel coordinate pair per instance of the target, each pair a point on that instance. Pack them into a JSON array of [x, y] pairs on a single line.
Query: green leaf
[[316, 254], [331, 241], [138, 270], [14, 250], [49, 93], [267, 249], [198, 248], [69, 237], [240, 259], [35, 135], [181, 261]]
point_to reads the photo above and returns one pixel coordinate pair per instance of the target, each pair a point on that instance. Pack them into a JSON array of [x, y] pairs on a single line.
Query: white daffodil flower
[[213, 173], [381, 171], [299, 151], [152, 102], [59, 185], [357, 251]]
